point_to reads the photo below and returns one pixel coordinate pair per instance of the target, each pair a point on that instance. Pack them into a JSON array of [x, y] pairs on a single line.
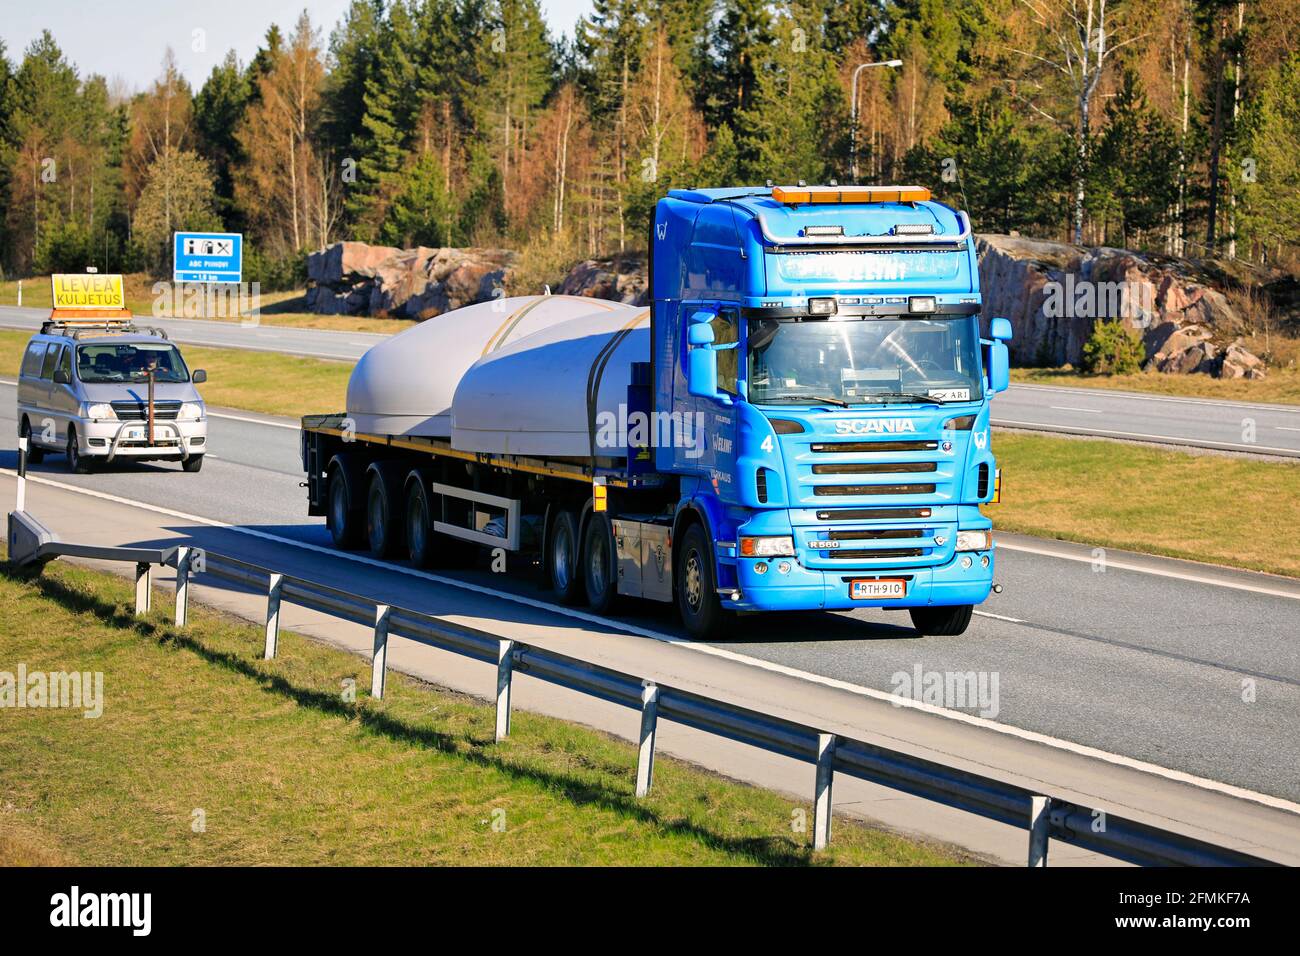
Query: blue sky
[[127, 39]]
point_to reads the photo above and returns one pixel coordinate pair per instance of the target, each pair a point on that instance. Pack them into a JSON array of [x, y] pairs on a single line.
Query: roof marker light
[[823, 230], [795, 195], [913, 229]]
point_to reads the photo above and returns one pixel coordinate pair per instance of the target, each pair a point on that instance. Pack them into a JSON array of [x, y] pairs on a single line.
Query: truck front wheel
[[942, 621], [697, 595]]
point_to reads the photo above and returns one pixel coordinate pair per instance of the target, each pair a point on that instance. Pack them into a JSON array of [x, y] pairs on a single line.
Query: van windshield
[[130, 362]]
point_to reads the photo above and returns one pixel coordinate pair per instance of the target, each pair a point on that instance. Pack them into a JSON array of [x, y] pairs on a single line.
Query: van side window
[[32, 359], [51, 357], [65, 361]]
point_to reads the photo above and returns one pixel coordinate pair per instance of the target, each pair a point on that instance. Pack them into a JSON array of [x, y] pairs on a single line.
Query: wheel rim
[[562, 557], [415, 526], [694, 579], [599, 562]]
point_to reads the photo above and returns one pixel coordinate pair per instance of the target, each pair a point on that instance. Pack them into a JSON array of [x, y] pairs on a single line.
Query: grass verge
[[1202, 507], [1282, 385], [279, 768], [266, 382]]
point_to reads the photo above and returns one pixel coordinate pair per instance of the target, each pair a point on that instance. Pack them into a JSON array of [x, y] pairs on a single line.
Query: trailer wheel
[[345, 522], [600, 564], [942, 621], [563, 558], [419, 522], [384, 525], [697, 595]]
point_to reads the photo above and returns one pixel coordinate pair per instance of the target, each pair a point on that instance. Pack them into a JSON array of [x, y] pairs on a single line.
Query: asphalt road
[[1180, 665], [1259, 429]]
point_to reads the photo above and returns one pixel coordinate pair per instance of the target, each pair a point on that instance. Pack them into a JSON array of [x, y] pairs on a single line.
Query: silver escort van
[[91, 390]]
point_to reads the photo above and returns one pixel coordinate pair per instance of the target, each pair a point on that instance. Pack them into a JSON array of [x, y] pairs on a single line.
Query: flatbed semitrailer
[[445, 496]]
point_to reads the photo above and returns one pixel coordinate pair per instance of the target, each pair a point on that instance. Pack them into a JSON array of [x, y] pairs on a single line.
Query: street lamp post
[[853, 135]]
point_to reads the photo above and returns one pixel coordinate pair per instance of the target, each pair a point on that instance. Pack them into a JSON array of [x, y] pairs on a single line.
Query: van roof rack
[[75, 327]]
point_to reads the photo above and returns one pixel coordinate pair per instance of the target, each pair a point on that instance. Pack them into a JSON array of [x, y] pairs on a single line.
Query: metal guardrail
[[1044, 816]]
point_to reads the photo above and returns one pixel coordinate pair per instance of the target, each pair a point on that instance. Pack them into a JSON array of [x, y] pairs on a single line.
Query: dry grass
[[1230, 511], [284, 770], [1282, 386]]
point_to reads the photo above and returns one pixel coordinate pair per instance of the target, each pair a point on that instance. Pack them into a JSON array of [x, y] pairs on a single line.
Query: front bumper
[[112, 439], [812, 589]]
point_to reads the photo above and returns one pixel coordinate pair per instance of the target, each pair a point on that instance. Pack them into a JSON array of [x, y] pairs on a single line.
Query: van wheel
[[562, 558], [345, 523], [942, 621], [35, 453], [697, 597], [600, 564], [77, 462], [192, 463], [384, 527]]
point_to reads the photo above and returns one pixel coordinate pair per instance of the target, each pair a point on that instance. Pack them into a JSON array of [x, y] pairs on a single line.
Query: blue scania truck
[[815, 356]]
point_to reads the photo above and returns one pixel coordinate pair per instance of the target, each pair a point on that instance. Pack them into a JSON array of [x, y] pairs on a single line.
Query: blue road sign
[[207, 257]]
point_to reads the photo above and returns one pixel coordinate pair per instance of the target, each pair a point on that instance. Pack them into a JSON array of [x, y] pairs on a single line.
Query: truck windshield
[[869, 361], [130, 362]]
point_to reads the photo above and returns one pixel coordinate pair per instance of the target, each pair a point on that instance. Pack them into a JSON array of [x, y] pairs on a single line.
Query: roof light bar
[[823, 230], [913, 229], [796, 195]]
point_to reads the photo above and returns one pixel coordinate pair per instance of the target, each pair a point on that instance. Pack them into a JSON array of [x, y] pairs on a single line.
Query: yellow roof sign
[[87, 290]]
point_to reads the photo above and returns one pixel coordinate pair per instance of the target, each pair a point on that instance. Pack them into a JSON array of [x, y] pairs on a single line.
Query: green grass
[[1233, 511], [1282, 385], [286, 771]]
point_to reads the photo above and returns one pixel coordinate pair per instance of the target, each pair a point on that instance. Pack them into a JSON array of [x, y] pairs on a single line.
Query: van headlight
[[767, 546], [974, 540], [190, 412], [101, 411]]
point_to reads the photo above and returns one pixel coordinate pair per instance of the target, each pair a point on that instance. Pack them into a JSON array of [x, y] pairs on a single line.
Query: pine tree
[[218, 110]]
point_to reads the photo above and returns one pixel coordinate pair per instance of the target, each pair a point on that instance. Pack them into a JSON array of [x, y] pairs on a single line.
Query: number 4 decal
[[767, 444]]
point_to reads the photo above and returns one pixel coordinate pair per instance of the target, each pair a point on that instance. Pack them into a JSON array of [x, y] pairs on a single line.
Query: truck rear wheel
[[942, 621], [563, 558], [345, 523], [600, 564], [697, 597], [384, 527]]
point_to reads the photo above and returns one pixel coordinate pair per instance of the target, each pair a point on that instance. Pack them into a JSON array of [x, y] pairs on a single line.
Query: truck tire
[[346, 522], [562, 559], [419, 522], [697, 597], [942, 621], [600, 564], [35, 453], [385, 524]]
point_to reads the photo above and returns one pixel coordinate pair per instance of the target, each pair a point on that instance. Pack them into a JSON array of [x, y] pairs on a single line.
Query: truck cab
[[827, 340]]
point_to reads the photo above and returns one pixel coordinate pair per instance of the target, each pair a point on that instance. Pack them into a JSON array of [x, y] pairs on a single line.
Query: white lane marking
[[1001, 617], [1158, 572], [1284, 428], [1117, 393], [1168, 439], [973, 720], [1075, 408], [255, 421]]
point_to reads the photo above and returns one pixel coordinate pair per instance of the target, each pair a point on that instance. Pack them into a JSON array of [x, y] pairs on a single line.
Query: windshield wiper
[[911, 396], [810, 399]]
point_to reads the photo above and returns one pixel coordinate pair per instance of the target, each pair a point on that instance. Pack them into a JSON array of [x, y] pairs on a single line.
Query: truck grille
[[130, 411], [826, 491], [844, 447], [881, 553], [875, 468]]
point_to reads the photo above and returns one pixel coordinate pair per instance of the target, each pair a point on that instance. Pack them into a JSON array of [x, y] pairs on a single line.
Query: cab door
[[712, 423], [62, 398]]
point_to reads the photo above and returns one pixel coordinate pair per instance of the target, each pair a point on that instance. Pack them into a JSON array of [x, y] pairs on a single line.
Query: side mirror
[[999, 365], [61, 377], [698, 335], [1000, 329], [199, 376], [702, 372]]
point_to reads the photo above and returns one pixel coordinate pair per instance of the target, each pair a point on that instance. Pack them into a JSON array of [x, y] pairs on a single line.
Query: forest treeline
[[1170, 125]]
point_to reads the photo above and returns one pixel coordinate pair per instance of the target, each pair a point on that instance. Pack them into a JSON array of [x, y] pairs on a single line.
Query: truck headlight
[[101, 410], [190, 412], [768, 546], [974, 540]]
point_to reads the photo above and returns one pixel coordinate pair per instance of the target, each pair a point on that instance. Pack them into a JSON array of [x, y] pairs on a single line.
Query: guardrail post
[[183, 558], [1040, 819], [505, 671], [822, 798], [22, 473], [379, 661], [143, 588], [273, 590], [645, 761]]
